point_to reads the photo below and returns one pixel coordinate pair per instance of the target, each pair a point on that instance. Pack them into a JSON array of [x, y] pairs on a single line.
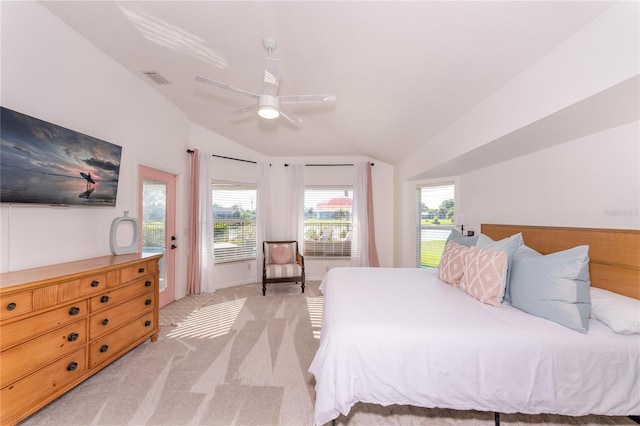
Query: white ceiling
[[402, 71]]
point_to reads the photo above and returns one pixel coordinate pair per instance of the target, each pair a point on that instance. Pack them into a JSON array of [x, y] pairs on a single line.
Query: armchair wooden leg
[[264, 289], [303, 286]]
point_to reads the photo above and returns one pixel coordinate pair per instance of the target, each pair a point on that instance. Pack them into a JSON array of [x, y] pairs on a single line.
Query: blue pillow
[[554, 286], [461, 239], [510, 245]]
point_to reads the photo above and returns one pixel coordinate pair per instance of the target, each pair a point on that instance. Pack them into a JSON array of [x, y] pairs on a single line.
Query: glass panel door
[[157, 206], [154, 223]]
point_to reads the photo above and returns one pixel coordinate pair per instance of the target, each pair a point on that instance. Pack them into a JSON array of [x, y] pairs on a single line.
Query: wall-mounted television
[[42, 163]]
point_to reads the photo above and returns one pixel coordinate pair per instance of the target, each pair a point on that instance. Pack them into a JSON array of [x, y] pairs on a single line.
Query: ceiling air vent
[[156, 77]]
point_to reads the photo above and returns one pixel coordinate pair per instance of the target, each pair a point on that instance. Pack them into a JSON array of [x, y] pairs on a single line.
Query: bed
[[402, 336]]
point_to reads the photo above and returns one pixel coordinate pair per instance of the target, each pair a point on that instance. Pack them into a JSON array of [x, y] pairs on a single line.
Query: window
[[435, 221], [234, 222], [327, 221]]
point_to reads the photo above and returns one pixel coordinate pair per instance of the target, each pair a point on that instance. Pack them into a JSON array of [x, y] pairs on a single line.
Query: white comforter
[[402, 336]]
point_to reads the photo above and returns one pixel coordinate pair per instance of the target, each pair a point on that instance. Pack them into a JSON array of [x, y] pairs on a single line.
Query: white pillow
[[509, 244], [553, 286], [620, 313]]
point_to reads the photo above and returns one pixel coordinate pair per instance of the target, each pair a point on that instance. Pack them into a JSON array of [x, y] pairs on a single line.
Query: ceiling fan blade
[[289, 115], [306, 99], [225, 86], [244, 109], [271, 76]]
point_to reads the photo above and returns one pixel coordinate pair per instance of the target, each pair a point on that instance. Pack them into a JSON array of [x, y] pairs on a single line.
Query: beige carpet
[[178, 311], [238, 358]]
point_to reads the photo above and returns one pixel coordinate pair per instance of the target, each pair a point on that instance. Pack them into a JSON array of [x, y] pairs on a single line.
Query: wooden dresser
[[61, 324]]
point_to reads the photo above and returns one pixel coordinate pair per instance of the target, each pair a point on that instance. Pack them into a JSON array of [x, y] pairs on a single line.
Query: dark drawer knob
[[147, 302], [74, 311], [11, 306], [104, 348], [72, 337], [95, 283], [147, 284], [147, 323], [104, 299], [141, 270], [105, 321], [72, 366]]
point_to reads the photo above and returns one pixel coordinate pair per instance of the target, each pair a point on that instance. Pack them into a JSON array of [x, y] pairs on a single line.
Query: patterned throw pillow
[[281, 255], [452, 262], [510, 245], [485, 275]]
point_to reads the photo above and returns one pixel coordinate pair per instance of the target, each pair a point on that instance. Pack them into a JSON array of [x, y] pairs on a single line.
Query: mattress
[[402, 336]]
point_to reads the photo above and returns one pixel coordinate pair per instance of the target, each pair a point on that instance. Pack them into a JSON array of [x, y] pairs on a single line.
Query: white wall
[[590, 182], [50, 72], [601, 55]]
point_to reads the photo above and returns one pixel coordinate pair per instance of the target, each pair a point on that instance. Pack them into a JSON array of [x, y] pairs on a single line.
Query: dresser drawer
[[82, 287], [136, 271], [30, 327], [52, 378], [114, 297], [108, 320], [15, 304], [112, 344], [23, 359]]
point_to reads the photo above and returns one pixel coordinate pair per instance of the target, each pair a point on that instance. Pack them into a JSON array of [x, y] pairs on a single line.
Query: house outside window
[[327, 221], [435, 213], [234, 222]]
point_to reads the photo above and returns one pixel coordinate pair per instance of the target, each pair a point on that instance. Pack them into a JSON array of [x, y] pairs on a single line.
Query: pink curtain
[[193, 251], [372, 249]]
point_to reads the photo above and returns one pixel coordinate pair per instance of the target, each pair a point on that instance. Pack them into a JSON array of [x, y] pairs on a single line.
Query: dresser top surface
[[70, 270]]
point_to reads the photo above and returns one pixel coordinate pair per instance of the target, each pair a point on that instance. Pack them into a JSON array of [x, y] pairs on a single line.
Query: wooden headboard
[[614, 253]]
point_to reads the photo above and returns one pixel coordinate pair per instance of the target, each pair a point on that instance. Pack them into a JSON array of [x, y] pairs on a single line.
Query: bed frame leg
[[496, 418], [333, 422]]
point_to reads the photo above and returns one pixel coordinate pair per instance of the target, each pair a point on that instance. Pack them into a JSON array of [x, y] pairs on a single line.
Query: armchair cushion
[[283, 271], [281, 255], [277, 249]]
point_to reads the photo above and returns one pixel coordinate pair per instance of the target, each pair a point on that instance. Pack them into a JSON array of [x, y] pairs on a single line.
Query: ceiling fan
[[270, 105]]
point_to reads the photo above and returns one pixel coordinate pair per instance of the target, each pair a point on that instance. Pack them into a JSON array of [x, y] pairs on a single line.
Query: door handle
[[173, 246]]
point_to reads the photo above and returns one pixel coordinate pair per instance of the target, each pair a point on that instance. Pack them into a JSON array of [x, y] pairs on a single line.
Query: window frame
[[234, 253], [334, 247], [432, 259]]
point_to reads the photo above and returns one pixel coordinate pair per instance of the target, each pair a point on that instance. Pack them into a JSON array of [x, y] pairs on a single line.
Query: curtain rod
[[327, 165], [190, 151]]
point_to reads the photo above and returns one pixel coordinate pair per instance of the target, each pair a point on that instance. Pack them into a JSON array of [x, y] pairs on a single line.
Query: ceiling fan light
[[268, 112]]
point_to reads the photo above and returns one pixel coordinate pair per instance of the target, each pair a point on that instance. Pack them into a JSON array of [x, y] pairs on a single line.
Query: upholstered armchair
[[282, 262]]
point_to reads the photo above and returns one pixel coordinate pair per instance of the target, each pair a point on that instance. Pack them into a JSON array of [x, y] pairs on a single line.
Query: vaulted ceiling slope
[[402, 72]]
